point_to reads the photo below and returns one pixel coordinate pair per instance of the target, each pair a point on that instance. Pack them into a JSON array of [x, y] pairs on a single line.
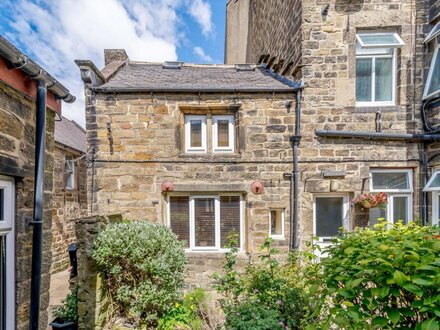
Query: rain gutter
[[33, 70]]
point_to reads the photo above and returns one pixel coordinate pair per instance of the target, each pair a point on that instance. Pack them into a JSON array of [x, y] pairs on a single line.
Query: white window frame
[[435, 31], [345, 211], [7, 229], [231, 120], [404, 170], [70, 163], [188, 148], [282, 235], [391, 193], [373, 58], [430, 73], [435, 192], [216, 197], [359, 35], [435, 208]]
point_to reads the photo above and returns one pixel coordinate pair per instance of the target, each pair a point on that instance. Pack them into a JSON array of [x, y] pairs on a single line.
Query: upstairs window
[[223, 133], [433, 82], [218, 129], [376, 68], [69, 173]]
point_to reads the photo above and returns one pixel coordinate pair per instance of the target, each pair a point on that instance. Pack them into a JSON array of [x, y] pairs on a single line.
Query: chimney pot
[[114, 55]]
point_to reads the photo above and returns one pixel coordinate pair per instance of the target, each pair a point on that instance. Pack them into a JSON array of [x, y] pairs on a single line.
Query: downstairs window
[[398, 186], [207, 222]]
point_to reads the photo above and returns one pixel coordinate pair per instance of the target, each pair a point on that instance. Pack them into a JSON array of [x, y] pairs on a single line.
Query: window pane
[[196, 133], [223, 133], [436, 182], [379, 39], [384, 79], [328, 216], [400, 209], [390, 180], [374, 214], [179, 217], [229, 219], [434, 83], [204, 222], [276, 222], [363, 79]]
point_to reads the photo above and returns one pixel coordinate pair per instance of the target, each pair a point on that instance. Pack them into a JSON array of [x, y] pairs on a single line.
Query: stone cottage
[[204, 149], [371, 74], [25, 89], [69, 200]]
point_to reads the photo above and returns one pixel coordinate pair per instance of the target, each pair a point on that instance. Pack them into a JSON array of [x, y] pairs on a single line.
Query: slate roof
[[144, 76], [70, 134]]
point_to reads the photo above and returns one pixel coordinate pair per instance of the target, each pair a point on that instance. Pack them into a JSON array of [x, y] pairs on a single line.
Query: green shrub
[[69, 311], [143, 268], [251, 315], [383, 278], [268, 288], [185, 314]]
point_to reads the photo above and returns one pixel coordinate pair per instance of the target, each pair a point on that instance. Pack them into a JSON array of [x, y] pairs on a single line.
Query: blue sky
[[55, 32]]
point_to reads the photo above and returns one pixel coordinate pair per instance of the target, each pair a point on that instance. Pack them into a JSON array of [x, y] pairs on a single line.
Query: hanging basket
[[369, 201]]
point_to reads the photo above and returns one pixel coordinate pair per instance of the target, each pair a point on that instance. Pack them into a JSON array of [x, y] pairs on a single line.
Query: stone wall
[[272, 33], [144, 149], [67, 205], [329, 97], [17, 152], [92, 302]]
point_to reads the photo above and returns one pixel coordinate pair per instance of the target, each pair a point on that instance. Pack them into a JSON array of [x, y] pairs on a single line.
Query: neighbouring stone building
[[69, 200], [367, 73], [18, 88]]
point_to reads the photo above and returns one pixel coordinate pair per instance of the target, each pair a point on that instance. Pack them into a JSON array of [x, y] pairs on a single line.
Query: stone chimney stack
[[114, 55]]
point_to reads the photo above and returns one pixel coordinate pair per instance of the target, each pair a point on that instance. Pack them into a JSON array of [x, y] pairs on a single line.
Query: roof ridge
[[74, 123]]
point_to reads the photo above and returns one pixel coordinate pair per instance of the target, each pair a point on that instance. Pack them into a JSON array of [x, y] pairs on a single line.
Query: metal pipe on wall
[[37, 223], [295, 139]]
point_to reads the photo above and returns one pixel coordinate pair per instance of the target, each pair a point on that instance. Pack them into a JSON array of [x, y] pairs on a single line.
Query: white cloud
[[202, 55], [55, 33], [201, 11]]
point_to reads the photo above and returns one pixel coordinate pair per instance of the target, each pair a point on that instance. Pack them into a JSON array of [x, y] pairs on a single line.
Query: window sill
[[213, 254], [376, 108], [217, 155]]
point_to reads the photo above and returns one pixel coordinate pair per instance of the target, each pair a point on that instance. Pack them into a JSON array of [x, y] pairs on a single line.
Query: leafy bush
[[268, 291], [143, 268], [69, 311], [383, 278], [250, 315]]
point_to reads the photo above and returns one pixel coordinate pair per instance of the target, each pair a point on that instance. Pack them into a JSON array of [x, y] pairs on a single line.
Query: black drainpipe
[[295, 139], [37, 223]]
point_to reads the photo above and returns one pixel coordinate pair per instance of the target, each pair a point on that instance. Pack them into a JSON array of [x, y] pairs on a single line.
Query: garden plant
[[387, 277], [143, 266]]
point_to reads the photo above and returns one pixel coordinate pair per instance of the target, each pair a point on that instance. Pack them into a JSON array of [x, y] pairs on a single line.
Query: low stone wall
[[91, 299]]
